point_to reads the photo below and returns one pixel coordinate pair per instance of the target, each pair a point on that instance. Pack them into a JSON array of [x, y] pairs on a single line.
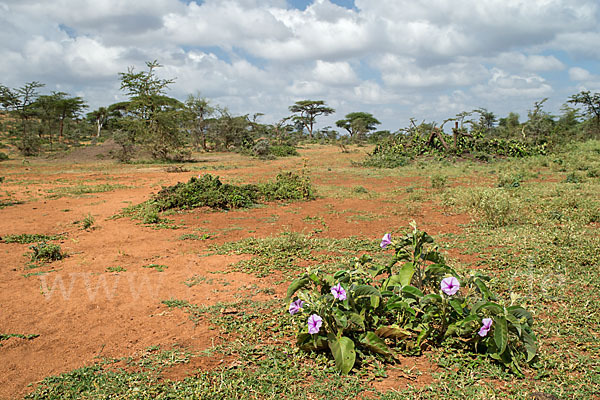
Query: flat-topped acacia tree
[[307, 111]]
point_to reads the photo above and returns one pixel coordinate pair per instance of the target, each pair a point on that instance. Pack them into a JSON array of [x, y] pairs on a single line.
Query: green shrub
[[509, 180], [359, 190], [3, 156], [25, 238], [46, 252], [87, 222], [209, 191], [205, 191], [283, 150], [439, 181], [287, 186], [377, 311], [494, 206]]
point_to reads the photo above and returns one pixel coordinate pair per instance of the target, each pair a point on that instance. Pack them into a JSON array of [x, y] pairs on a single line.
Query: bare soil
[[82, 312]]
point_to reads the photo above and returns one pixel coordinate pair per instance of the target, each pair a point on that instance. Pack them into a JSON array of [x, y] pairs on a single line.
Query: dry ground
[[82, 312]]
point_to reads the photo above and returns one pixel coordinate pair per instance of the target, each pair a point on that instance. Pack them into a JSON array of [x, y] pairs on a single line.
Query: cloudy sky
[[394, 58]]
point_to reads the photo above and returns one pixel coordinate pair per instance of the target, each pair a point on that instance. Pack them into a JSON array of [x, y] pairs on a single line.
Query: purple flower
[[296, 306], [450, 285], [386, 240], [338, 292], [485, 328], [314, 324]]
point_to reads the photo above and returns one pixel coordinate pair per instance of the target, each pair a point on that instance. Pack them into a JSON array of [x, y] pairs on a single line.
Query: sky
[[397, 59]]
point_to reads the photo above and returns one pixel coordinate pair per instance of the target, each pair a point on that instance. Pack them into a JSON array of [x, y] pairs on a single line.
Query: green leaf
[[377, 345], [308, 342], [483, 289], [393, 331], [357, 320], [456, 304], [340, 319], [496, 309], [295, 286], [406, 273], [431, 299], [412, 291], [343, 352], [500, 333], [365, 291], [520, 313], [514, 323], [530, 345]]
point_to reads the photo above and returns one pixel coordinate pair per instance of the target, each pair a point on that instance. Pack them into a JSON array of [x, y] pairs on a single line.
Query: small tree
[[99, 117], [198, 110], [21, 103], [150, 117], [358, 124], [307, 111], [591, 104], [56, 109]]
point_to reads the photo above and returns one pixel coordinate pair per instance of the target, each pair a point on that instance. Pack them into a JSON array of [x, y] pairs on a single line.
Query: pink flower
[[386, 240], [485, 328], [296, 306], [338, 292], [450, 285], [314, 324]]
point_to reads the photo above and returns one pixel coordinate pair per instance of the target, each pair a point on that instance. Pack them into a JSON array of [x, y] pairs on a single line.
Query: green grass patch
[[78, 190], [26, 238], [158, 267]]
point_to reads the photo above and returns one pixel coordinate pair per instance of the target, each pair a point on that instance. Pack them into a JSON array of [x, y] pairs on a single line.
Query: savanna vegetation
[[416, 264]]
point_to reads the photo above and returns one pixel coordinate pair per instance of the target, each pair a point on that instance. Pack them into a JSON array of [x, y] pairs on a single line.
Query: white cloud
[[585, 79], [503, 84], [533, 63], [405, 72], [336, 74], [402, 58]]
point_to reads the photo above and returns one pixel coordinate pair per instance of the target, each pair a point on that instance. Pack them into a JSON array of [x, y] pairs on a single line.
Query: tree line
[[168, 129]]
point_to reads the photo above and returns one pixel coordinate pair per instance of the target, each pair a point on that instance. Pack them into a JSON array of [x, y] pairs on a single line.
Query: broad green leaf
[[483, 289], [343, 352], [365, 291], [514, 323], [341, 320], [377, 345], [412, 291], [375, 301], [357, 320], [431, 299], [308, 342], [530, 345], [403, 278], [406, 273], [520, 312], [295, 286], [393, 331], [500, 333], [456, 304], [496, 309]]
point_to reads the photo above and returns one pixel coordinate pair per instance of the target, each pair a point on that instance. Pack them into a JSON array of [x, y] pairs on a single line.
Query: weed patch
[[46, 252], [26, 238]]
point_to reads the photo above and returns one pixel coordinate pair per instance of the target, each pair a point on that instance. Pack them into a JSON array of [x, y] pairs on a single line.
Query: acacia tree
[[56, 109], [198, 110], [307, 111], [20, 103], [150, 117], [358, 123], [99, 117], [591, 104]]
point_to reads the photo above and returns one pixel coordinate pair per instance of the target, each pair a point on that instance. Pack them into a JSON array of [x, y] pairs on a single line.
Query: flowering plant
[[414, 301]]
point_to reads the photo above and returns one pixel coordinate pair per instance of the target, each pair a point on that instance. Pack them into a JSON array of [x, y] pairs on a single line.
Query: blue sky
[[398, 59]]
